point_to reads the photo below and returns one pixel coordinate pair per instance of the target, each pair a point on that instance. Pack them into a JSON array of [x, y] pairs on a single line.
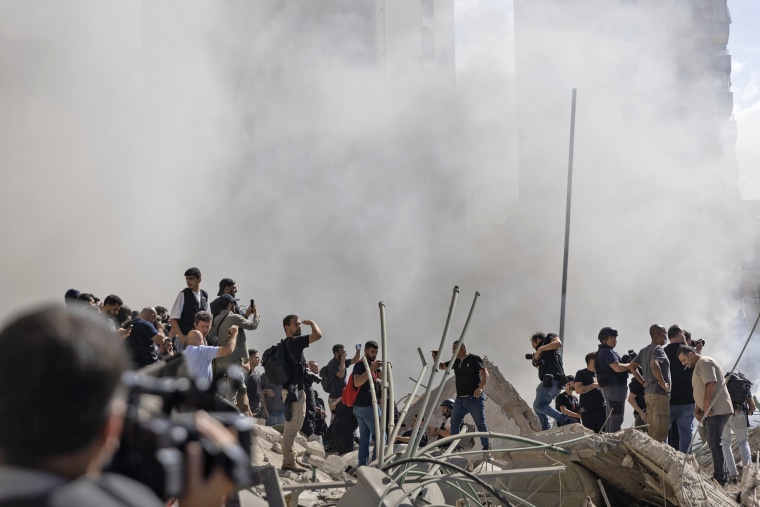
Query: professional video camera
[[158, 425], [630, 356]]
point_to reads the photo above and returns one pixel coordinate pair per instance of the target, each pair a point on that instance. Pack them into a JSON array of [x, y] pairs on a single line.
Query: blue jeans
[[366, 421], [615, 396], [276, 418], [542, 405], [476, 407], [683, 415]]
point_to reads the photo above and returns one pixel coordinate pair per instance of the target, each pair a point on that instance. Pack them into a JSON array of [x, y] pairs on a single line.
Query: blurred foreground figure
[[55, 437]]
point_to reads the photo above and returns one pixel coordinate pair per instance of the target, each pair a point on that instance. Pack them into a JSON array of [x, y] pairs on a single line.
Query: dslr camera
[[536, 362], [311, 377]]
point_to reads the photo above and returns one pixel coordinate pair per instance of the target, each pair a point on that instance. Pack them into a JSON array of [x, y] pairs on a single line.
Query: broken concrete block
[[315, 449]]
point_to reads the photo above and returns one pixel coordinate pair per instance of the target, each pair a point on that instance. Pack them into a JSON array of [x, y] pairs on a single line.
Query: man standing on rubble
[[713, 403], [656, 372], [593, 406], [471, 376], [681, 395], [612, 374], [363, 409], [547, 360]]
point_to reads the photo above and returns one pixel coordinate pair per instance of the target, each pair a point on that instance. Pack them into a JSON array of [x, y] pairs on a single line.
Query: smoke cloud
[[268, 142]]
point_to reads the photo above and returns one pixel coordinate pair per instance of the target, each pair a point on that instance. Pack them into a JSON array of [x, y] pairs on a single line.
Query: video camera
[[158, 425], [630, 356]]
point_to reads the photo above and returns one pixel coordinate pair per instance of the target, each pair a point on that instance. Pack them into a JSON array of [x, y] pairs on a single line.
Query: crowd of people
[[669, 383]]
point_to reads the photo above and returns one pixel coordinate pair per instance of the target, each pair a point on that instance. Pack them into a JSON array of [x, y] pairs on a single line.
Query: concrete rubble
[[624, 468]]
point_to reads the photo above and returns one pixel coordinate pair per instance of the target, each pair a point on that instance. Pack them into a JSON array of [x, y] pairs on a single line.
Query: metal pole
[[383, 384], [567, 222], [392, 422], [374, 406], [446, 373], [410, 398], [423, 409]]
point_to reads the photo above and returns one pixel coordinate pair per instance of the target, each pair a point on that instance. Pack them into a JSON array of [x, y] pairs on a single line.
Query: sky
[[141, 138]]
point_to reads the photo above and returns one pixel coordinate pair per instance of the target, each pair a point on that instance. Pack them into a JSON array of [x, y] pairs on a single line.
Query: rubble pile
[[624, 468]]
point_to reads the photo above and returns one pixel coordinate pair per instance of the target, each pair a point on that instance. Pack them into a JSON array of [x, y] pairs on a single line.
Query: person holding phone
[[336, 370]]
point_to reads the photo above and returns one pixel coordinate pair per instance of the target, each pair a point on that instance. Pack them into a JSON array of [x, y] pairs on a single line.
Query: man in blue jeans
[[681, 393], [471, 376], [363, 410], [552, 376]]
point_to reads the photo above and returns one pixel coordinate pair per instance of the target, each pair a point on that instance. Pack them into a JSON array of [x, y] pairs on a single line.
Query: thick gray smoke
[[266, 141]]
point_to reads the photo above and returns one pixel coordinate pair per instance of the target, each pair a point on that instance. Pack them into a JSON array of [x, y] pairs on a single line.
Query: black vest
[[189, 309]]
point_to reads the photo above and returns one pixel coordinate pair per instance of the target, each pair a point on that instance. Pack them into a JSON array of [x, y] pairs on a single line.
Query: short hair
[[685, 349], [371, 345], [161, 309], [112, 299], [123, 314], [687, 334], [252, 352], [288, 318], [46, 419], [674, 330], [590, 356], [537, 336], [337, 347], [193, 272], [203, 316], [86, 296]]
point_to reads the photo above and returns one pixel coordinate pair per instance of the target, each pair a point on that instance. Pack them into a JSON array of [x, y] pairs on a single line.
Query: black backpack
[[275, 364], [739, 388], [324, 372]]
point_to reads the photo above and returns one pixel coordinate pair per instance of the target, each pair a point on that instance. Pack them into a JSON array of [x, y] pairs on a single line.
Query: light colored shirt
[[198, 359], [705, 371], [18, 482], [179, 304]]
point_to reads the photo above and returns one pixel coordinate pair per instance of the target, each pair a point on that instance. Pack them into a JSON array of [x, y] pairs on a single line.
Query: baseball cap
[[226, 299]]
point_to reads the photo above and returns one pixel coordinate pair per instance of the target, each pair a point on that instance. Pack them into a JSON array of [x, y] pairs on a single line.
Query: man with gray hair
[[144, 340]]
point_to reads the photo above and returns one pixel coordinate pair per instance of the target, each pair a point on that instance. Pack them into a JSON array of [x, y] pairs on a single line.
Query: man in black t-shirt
[[336, 369], [552, 376], [638, 402], [293, 391], [567, 403], [681, 395], [363, 409], [144, 339], [471, 376], [593, 407]]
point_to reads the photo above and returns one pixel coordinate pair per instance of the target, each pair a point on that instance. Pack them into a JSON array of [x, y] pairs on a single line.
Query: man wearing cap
[[444, 430], [226, 286], [655, 367], [612, 375], [220, 329]]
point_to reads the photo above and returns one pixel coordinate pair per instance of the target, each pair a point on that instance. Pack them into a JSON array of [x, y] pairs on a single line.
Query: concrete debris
[[624, 468]]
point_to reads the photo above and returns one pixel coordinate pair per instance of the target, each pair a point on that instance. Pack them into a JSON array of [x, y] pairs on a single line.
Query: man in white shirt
[[198, 357]]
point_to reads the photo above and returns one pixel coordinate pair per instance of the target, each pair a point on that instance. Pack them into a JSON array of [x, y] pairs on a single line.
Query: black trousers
[[593, 418]]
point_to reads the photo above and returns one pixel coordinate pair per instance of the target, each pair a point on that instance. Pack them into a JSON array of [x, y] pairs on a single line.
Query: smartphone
[[251, 303], [358, 346]]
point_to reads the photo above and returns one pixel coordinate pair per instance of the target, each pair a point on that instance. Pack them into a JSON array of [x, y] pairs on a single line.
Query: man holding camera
[[612, 374], [55, 437], [552, 375]]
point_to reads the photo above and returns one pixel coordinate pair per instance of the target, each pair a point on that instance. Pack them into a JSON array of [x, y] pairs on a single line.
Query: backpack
[[275, 364], [739, 388], [350, 392], [327, 379]]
